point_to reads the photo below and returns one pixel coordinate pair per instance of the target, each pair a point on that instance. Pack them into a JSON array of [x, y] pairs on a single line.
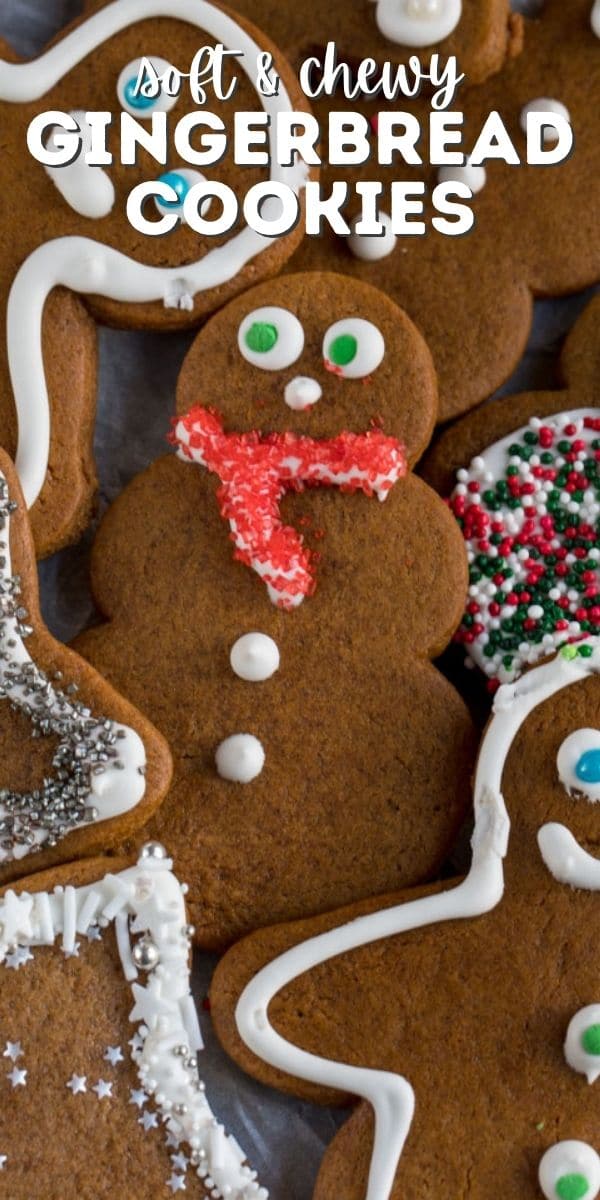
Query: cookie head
[[314, 354], [154, 79]]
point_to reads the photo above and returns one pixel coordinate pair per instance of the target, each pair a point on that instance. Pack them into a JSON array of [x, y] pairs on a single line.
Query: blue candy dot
[[588, 767], [179, 185], [137, 100]]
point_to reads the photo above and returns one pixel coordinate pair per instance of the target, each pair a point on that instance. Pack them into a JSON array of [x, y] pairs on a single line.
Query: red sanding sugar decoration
[[257, 469]]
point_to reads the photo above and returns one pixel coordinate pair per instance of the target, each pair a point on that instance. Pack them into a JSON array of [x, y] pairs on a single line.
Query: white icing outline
[[392, 1096], [91, 268], [126, 782], [149, 900]]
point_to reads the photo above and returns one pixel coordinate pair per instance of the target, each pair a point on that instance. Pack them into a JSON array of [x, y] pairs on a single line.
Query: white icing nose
[[302, 392]]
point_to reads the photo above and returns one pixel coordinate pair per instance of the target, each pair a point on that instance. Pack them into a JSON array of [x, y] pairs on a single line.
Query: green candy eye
[[353, 348], [271, 338], [590, 1039], [342, 350], [572, 1187], [261, 337]]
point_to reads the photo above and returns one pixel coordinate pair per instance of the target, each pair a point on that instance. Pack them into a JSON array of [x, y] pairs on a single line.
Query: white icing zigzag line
[[110, 755], [147, 900], [391, 1096], [89, 267]]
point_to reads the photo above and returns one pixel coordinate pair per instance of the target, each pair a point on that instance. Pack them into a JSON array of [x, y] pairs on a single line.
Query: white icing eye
[[570, 1171], [582, 1043], [143, 105], [578, 763], [271, 338], [595, 18], [353, 348], [417, 22], [180, 181]]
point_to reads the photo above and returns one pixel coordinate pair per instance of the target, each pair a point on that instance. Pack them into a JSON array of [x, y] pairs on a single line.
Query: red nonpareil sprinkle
[[256, 470]]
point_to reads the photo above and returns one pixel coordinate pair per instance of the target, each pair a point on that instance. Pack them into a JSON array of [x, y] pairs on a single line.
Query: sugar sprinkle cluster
[[529, 511]]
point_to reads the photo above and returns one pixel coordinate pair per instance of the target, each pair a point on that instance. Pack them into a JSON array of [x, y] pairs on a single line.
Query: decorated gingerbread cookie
[[100, 1043], [536, 228], [482, 34], [82, 769], [467, 1015], [274, 593], [47, 399], [528, 507]]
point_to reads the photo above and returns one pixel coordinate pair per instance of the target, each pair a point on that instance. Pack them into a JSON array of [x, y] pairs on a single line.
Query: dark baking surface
[[284, 1139]]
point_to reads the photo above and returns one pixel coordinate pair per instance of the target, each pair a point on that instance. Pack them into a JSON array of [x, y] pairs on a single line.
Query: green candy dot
[[343, 349], [572, 1187], [261, 337], [590, 1039]]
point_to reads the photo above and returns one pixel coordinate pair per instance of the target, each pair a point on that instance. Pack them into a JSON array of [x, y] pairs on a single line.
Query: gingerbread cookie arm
[[109, 768]]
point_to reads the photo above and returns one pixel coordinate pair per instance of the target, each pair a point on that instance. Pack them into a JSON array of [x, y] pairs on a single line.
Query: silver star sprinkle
[[14, 1050], [103, 1089], [17, 1077], [94, 934], [180, 1162], [138, 1097], [77, 1084], [18, 958], [149, 1120], [113, 1055], [74, 953], [176, 1183]]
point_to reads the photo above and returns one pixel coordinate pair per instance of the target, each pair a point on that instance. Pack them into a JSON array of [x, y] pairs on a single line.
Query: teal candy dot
[[588, 767], [180, 186], [572, 1187], [137, 100], [343, 350], [261, 337], [590, 1040]]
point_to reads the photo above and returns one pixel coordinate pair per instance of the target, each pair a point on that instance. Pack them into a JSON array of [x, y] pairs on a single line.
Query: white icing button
[[569, 1159], [371, 247], [254, 657], [544, 105], [474, 177], [577, 763], [595, 19], [117, 790], [240, 758], [302, 392], [417, 22], [582, 1043]]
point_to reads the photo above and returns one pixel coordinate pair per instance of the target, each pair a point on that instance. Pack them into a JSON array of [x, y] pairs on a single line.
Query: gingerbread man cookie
[[466, 1015], [273, 596], [73, 231], [529, 509], [82, 769], [100, 1041], [536, 228]]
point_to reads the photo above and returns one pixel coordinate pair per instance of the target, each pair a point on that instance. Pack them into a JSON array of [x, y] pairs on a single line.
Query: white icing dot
[[302, 392], [544, 104], [417, 22], [576, 1053], [254, 657], [240, 758], [569, 1158], [595, 19], [372, 247], [474, 177]]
